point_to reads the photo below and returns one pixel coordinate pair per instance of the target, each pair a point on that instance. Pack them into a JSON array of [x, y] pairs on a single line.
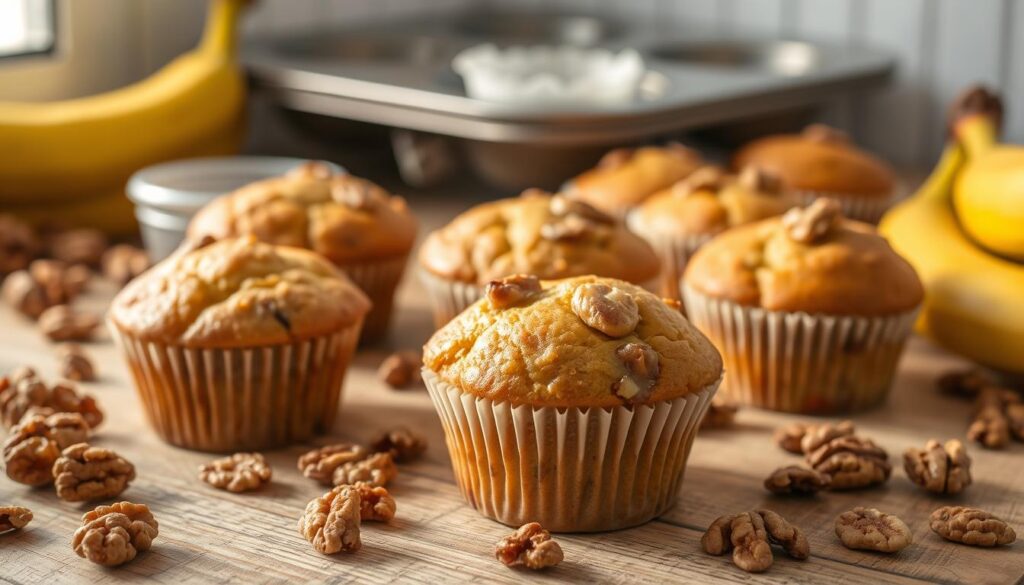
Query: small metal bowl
[[167, 195]]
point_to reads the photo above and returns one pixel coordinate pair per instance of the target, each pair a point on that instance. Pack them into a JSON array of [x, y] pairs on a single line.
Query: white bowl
[[167, 195]]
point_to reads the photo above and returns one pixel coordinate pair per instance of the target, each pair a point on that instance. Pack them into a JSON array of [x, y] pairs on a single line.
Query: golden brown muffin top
[[810, 260], [342, 217], [625, 177], [238, 293], [585, 341], [710, 201], [536, 233], [819, 159]]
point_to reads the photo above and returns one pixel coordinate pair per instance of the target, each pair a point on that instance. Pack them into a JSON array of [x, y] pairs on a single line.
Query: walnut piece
[[794, 479], [35, 443], [971, 526], [75, 363], [965, 383], [376, 470], [563, 206], [375, 503], [19, 244], [990, 427], [22, 293], [123, 262], [818, 435], [870, 529], [23, 390], [320, 464], [608, 309], [529, 546], [788, 437], [809, 224], [60, 282], [401, 369], [512, 290], [567, 229], [721, 413], [852, 462], [113, 535], [236, 473], [331, 521], [706, 178], [938, 468], [760, 180], [79, 246], [401, 443], [63, 323], [749, 535], [14, 518], [642, 371], [65, 428], [84, 473], [357, 193]]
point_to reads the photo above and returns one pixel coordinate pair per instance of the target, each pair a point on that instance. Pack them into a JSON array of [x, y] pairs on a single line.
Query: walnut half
[[512, 290], [23, 390], [237, 473], [971, 526], [529, 546], [331, 522], [113, 535], [943, 469], [749, 536], [376, 470], [796, 480], [607, 309], [870, 529], [809, 224], [14, 518], [320, 464], [84, 473], [35, 444], [852, 462]]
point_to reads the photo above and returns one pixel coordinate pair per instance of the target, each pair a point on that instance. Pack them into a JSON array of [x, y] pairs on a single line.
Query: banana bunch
[[962, 231], [69, 160]]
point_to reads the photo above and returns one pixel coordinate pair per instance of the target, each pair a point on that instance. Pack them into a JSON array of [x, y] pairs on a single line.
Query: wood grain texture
[[210, 535]]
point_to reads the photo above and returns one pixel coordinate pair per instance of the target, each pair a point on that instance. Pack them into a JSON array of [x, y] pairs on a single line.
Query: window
[[26, 27]]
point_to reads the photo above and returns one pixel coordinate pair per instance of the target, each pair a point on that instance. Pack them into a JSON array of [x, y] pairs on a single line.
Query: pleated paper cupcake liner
[[571, 469], [802, 363], [225, 400], [866, 208], [379, 280]]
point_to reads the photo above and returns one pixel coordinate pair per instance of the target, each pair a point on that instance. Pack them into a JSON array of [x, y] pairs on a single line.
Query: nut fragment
[[66, 428], [642, 371], [237, 473], [721, 413], [123, 262], [79, 246], [376, 470], [794, 479], [943, 469], [357, 193], [14, 518], [869, 529], [760, 180], [852, 462], [63, 323], [788, 438], [113, 535], [608, 309], [748, 536], [529, 546], [60, 282], [401, 443], [401, 369], [990, 427], [75, 363], [512, 290], [706, 178], [331, 521], [562, 206], [971, 526], [35, 444], [568, 228], [319, 464], [375, 503], [809, 224], [24, 390], [19, 244], [818, 435], [83, 473]]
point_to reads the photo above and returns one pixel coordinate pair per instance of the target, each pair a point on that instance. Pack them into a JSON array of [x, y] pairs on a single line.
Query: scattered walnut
[[123, 262], [320, 464], [706, 178], [375, 503], [721, 413], [401, 443], [608, 309], [824, 133], [562, 206], [75, 363], [760, 180], [796, 480], [852, 462], [14, 518], [84, 473], [529, 546], [991, 427], [19, 244], [512, 290], [642, 371], [786, 535], [66, 428], [401, 369], [971, 526], [24, 390], [34, 445], [376, 470], [788, 438], [748, 536], [63, 323], [809, 224], [240, 472], [113, 535], [943, 469], [60, 283], [331, 521], [870, 529], [24, 294], [79, 246], [965, 383], [818, 435]]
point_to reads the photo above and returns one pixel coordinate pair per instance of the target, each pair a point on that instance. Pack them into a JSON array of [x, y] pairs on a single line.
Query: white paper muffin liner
[[801, 363], [866, 208], [571, 469], [379, 280], [224, 400]]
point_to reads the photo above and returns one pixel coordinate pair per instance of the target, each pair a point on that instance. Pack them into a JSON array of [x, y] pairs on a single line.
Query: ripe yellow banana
[[974, 302], [69, 160]]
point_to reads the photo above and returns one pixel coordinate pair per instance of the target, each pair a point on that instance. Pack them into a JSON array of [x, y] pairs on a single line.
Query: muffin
[[626, 176], [573, 403], [678, 220], [238, 344], [823, 162], [535, 233], [810, 311], [352, 222]]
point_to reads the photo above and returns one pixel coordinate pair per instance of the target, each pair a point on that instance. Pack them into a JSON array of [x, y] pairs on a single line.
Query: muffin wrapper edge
[[571, 469], [379, 280], [801, 363], [223, 400]]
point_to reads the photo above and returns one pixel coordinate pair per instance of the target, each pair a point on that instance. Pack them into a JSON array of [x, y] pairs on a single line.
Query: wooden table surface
[[211, 535]]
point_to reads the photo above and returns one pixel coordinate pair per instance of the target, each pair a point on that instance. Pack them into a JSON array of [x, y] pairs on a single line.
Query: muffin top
[[710, 201], [810, 260], [238, 293], [341, 217], [626, 176], [819, 159], [536, 233], [585, 341]]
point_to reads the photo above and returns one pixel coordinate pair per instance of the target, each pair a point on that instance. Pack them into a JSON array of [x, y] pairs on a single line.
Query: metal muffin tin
[[397, 73]]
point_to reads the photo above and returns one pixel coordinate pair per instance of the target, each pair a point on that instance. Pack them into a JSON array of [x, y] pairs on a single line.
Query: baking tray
[[397, 73]]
